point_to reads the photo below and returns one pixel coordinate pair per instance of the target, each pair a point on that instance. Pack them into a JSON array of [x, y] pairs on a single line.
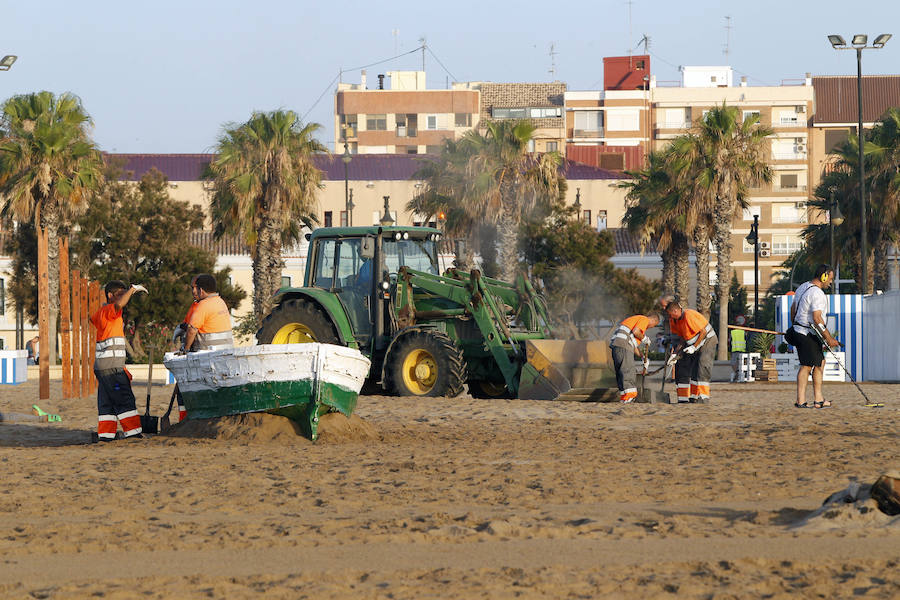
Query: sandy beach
[[457, 498]]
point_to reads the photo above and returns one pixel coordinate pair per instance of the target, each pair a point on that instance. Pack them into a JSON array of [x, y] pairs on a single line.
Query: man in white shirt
[[808, 316]]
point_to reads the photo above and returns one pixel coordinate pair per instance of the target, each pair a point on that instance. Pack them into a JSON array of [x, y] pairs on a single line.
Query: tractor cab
[[360, 264]]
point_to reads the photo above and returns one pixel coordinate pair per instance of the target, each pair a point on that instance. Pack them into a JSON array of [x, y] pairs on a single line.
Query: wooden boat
[[298, 381]]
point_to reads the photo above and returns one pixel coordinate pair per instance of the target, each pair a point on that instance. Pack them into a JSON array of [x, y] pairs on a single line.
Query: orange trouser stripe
[[703, 390]]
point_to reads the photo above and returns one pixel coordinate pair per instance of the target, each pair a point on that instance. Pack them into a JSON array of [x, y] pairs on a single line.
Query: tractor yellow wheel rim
[[419, 372], [294, 333]]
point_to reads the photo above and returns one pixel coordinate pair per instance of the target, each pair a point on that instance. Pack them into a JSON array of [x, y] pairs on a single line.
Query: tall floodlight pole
[[859, 43]]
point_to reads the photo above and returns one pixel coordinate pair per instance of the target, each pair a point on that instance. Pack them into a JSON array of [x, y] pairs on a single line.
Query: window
[[623, 120], [376, 122], [784, 245], [788, 117], [431, 122], [788, 181], [508, 113], [432, 149], [420, 255], [789, 213], [327, 222], [2, 296], [750, 114], [344, 220], [412, 149], [531, 145], [834, 138], [545, 112], [750, 211], [588, 122], [586, 216], [676, 118], [462, 120], [349, 125], [601, 220], [552, 146], [348, 262], [285, 281], [748, 277]]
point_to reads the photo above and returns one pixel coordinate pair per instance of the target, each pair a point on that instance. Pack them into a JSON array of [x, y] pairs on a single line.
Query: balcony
[[674, 125], [587, 133], [406, 132], [789, 155], [790, 122], [777, 187], [349, 131]]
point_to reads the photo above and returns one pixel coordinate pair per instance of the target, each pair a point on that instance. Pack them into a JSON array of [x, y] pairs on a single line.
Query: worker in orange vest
[[697, 349], [179, 337], [115, 399], [625, 345], [210, 322]]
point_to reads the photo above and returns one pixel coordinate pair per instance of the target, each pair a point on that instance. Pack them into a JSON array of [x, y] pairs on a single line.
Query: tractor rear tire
[[426, 363], [297, 321]]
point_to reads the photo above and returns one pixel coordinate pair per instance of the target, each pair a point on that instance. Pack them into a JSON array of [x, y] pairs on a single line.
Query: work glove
[[646, 364], [138, 288], [689, 349], [673, 358]]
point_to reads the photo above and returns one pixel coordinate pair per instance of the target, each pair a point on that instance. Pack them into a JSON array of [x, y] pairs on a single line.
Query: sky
[[166, 76]]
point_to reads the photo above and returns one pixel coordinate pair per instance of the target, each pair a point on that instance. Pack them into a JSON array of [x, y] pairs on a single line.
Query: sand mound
[[263, 427], [850, 508], [335, 427]]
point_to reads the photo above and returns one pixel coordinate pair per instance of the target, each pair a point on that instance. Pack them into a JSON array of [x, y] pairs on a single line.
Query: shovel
[[149, 424]]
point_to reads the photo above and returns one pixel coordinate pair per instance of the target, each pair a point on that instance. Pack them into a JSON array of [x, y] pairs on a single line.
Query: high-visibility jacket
[[110, 348], [689, 327], [738, 340], [630, 332], [213, 323]]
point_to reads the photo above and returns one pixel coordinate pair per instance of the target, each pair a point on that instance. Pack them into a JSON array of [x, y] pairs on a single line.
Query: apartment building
[[541, 103], [649, 119], [400, 115]]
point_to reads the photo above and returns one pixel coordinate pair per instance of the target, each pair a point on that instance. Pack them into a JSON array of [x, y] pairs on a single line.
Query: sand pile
[[850, 508], [263, 427]]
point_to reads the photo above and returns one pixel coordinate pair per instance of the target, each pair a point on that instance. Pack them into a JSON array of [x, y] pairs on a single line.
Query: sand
[[457, 498]]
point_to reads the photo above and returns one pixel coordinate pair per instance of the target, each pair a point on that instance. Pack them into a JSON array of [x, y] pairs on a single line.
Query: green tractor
[[379, 289]]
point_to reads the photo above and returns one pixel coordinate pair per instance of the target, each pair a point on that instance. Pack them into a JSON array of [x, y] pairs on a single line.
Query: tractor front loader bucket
[[568, 370]]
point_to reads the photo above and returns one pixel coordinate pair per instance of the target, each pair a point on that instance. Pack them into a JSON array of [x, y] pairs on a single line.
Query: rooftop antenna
[[629, 3], [645, 41], [727, 38], [396, 34], [553, 54], [424, 46]]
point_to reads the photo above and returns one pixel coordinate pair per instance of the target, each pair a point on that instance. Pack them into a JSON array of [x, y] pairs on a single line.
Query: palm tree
[[882, 151], [727, 157], [48, 168], [264, 188], [493, 178]]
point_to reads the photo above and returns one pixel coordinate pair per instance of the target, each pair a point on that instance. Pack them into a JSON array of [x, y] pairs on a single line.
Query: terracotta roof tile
[[627, 243]]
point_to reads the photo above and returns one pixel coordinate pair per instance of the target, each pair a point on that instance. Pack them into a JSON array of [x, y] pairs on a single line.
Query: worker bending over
[[210, 322], [626, 344], [115, 399], [697, 349]]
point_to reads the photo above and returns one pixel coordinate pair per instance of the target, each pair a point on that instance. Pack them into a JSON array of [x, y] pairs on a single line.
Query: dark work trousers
[[116, 404]]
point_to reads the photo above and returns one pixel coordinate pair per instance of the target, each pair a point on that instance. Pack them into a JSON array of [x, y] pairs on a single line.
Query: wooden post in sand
[[76, 334], [43, 312], [94, 292], [65, 318], [86, 350]]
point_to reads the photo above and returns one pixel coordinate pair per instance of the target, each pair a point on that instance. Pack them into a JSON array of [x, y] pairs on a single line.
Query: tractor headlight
[[405, 235], [397, 236], [385, 285]]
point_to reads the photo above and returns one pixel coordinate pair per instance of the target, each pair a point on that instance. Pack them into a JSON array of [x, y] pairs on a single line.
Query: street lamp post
[[835, 218], [753, 238], [859, 42], [577, 204], [387, 220], [7, 61], [346, 159]]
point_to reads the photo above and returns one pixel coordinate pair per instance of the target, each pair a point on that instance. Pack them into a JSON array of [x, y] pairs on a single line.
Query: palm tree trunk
[[668, 271], [50, 221], [723, 268], [509, 243], [682, 267], [267, 265], [701, 251]]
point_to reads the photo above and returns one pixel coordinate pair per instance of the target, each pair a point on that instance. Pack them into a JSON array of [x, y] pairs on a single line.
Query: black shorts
[[809, 349]]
